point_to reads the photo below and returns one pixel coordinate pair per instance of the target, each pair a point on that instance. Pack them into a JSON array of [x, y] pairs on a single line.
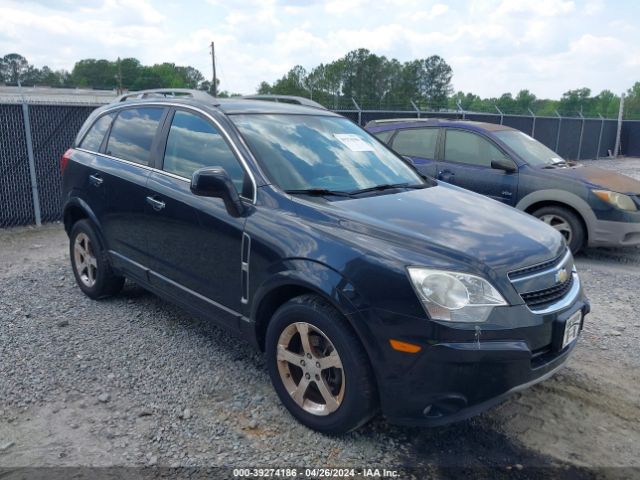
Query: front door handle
[[155, 203], [95, 180]]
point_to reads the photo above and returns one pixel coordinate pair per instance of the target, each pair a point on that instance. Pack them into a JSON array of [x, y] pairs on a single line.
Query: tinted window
[[466, 147], [384, 136], [309, 151], [532, 151], [93, 139], [195, 143], [132, 134], [416, 142]]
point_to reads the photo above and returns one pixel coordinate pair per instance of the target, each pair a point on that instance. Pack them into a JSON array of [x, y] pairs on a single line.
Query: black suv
[[367, 285]]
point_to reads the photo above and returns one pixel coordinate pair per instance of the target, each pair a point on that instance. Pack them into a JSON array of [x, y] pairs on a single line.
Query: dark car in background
[[368, 286], [588, 205]]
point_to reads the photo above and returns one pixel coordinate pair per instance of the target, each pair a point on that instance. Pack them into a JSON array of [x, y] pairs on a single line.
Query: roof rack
[[285, 99], [166, 93], [410, 119]]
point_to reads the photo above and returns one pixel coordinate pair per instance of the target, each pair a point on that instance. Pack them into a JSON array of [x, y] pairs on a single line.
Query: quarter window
[[93, 139], [195, 143], [384, 136], [469, 148], [416, 142], [132, 134]]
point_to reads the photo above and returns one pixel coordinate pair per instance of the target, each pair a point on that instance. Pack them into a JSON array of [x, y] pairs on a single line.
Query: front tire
[[89, 262], [567, 223], [318, 366]]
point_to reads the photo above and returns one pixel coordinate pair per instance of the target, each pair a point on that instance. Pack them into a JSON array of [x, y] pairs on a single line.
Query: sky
[[493, 46]]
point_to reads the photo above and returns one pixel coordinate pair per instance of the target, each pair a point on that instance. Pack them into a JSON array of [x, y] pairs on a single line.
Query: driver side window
[[194, 143], [471, 149]]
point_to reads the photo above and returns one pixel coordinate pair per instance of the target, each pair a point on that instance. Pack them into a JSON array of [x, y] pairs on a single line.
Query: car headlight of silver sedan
[[454, 296]]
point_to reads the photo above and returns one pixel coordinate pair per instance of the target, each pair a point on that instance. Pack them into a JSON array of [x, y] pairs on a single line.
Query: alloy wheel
[[85, 261], [310, 368], [560, 224]]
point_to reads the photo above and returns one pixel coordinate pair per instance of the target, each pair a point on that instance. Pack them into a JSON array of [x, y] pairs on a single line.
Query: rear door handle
[[155, 203], [95, 180]]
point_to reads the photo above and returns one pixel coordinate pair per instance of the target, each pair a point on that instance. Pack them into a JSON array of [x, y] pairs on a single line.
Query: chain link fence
[[30, 174], [34, 135]]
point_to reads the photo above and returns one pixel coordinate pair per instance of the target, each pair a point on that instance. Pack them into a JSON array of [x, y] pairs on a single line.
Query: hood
[[455, 222], [601, 178]]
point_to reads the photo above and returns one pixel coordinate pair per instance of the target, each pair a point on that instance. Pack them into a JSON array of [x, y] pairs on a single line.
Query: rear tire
[[567, 223], [89, 262], [325, 381]]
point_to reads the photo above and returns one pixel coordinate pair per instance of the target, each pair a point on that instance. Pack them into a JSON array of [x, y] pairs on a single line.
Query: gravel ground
[[135, 381]]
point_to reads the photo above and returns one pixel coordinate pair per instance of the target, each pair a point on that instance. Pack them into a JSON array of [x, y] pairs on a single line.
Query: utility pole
[[213, 63]]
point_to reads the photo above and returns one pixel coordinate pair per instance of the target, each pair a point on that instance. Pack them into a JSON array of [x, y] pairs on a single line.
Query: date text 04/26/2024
[[314, 473]]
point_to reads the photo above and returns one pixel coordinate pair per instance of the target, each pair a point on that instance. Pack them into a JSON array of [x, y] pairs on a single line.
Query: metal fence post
[[460, 108], [558, 134], [32, 163], [619, 131], [533, 126], [415, 107], [501, 114], [600, 136], [359, 111], [581, 135]]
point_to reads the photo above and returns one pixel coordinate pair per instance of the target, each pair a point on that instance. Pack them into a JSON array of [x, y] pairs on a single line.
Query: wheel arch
[[77, 209], [299, 277], [564, 199]]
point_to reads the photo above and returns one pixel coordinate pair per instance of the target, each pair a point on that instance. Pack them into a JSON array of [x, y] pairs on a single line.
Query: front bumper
[[450, 380], [605, 232]]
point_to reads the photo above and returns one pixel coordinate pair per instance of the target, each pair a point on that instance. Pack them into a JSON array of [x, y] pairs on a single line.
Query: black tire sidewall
[[578, 231], [103, 272], [356, 407]]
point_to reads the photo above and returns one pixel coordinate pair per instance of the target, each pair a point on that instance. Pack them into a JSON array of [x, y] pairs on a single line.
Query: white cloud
[[493, 46], [545, 8]]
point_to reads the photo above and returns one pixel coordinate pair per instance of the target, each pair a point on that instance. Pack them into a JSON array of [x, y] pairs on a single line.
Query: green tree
[[95, 73], [632, 102], [293, 83], [524, 101], [575, 101], [13, 67], [435, 81]]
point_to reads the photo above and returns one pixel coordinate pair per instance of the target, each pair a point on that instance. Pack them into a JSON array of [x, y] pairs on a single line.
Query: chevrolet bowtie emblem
[[562, 276]]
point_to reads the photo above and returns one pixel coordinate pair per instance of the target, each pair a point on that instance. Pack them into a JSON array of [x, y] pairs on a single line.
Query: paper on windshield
[[354, 142]]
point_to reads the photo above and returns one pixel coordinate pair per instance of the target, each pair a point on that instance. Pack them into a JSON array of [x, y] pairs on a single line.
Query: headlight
[[454, 296], [623, 202]]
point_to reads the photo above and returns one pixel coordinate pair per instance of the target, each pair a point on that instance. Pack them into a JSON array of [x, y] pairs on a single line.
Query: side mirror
[[503, 164], [409, 159], [215, 182]]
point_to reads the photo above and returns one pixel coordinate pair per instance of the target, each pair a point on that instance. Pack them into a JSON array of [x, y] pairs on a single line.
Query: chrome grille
[[523, 272], [548, 285], [544, 298]]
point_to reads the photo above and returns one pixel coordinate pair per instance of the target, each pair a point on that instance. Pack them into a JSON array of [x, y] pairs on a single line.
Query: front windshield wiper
[[387, 186], [318, 191]]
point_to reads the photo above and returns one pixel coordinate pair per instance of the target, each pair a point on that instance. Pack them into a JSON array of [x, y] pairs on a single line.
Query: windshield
[[531, 150], [300, 152]]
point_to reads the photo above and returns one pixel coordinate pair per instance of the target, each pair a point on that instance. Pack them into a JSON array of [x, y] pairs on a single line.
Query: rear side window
[[93, 139], [132, 134], [416, 142], [469, 148], [195, 143]]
